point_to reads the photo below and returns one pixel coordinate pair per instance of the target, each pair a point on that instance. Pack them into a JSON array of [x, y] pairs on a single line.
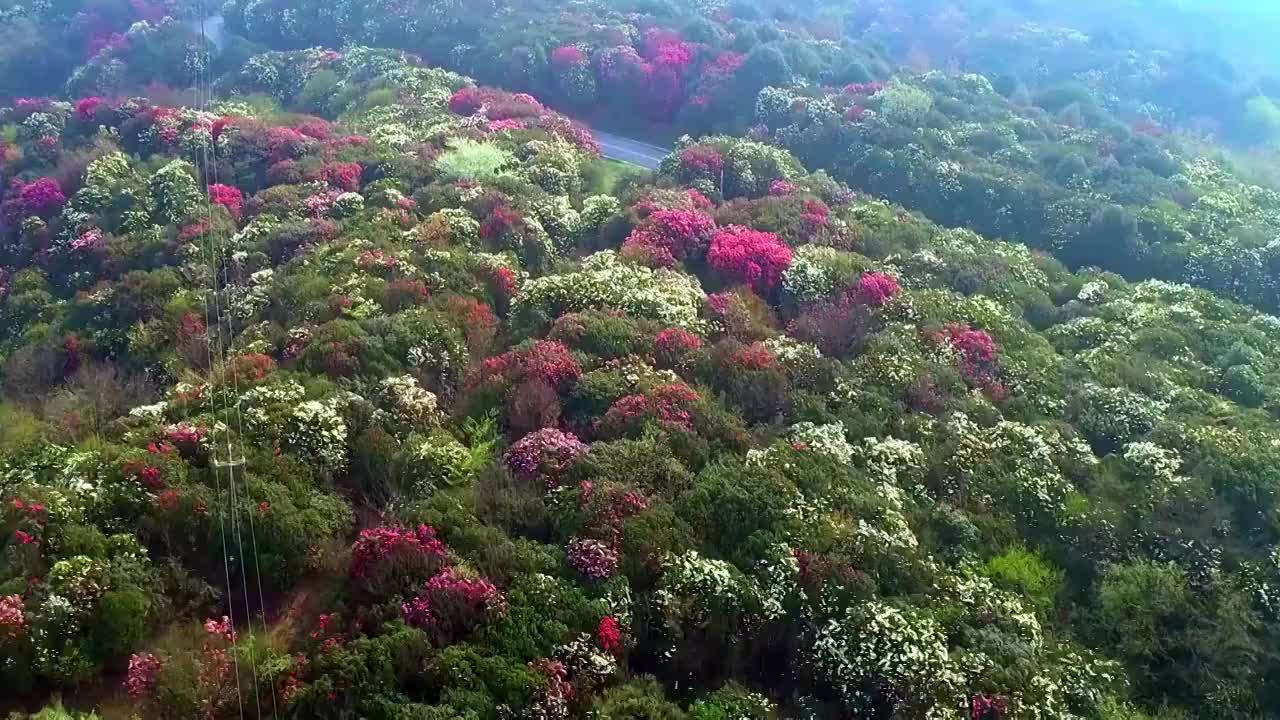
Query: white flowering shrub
[[606, 283], [319, 432]]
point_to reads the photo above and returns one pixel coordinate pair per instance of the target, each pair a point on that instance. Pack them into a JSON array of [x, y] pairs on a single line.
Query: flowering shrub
[[543, 456], [41, 198], [384, 559], [609, 635], [228, 197], [669, 405], [452, 604], [701, 161], [670, 235], [876, 289], [141, 677], [672, 345], [12, 618], [319, 432], [749, 256], [592, 558], [546, 361]]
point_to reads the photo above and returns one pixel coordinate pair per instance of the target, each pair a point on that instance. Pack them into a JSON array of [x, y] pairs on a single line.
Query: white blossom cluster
[[319, 431]]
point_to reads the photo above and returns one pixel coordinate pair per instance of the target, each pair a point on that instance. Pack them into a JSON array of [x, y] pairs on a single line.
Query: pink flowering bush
[[140, 680], [673, 345], [876, 289], [781, 188], [669, 405], [543, 456], [466, 102], [387, 559], [977, 351], [749, 256], [228, 197], [592, 559], [42, 198], [566, 56], [12, 618], [451, 605], [671, 235]]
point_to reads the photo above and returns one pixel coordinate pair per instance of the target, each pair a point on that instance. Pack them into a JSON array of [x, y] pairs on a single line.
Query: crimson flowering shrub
[[344, 176], [673, 345], [229, 197], [671, 235], [701, 160], [466, 102], [543, 456], [386, 560], [977, 356], [876, 289], [42, 198], [545, 360], [839, 328], [450, 605], [566, 56], [751, 257], [479, 324], [669, 405], [609, 635]]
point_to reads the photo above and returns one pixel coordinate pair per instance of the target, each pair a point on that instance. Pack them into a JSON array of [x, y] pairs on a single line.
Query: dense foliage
[[361, 390]]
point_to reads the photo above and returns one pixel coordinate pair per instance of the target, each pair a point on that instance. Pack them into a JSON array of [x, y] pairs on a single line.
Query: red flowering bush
[[673, 345], [451, 605], [749, 256], [141, 678], [12, 617], [701, 160], [566, 56], [977, 351], [247, 369], [385, 560], [543, 456], [42, 198], [591, 558], [466, 101], [781, 188], [876, 289], [670, 235], [228, 197], [609, 635], [670, 405], [544, 360], [344, 176], [479, 324]]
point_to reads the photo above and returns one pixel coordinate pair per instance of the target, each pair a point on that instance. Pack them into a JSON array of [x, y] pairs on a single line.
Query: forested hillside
[[341, 376]]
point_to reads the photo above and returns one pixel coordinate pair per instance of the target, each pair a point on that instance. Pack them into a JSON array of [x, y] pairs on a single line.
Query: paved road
[[616, 147]]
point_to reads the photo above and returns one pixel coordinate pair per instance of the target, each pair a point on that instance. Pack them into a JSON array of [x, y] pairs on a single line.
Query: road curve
[[616, 147]]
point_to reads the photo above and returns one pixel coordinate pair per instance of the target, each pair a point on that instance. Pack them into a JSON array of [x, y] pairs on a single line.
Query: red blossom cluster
[[876, 289], [781, 188], [672, 345], [229, 197], [855, 113], [609, 635], [701, 160], [670, 235], [451, 604], [544, 360], [41, 198], [344, 176], [751, 357], [247, 369], [466, 102], [749, 256], [814, 217], [383, 548], [863, 89], [567, 56], [986, 707], [502, 220], [141, 677], [977, 350], [670, 405]]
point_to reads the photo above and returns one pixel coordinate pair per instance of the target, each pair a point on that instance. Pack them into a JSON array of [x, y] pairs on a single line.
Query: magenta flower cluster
[[592, 558], [543, 455]]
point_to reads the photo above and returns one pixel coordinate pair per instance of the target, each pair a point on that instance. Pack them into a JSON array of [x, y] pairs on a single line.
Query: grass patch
[[602, 176]]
